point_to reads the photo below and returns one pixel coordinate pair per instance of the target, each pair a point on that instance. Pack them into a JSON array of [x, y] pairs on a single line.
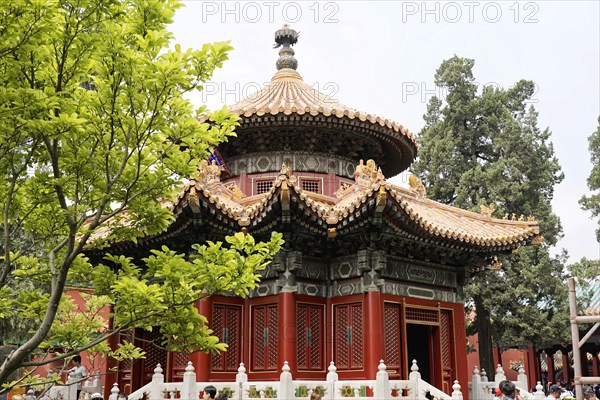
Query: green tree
[[484, 147], [592, 203], [95, 133]]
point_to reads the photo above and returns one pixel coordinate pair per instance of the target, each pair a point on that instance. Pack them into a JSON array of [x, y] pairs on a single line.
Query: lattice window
[[263, 186], [391, 315], [311, 186], [348, 334], [264, 338], [227, 325], [309, 336], [421, 315]]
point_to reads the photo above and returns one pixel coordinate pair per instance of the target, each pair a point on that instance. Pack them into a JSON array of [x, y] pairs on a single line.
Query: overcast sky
[[380, 57]]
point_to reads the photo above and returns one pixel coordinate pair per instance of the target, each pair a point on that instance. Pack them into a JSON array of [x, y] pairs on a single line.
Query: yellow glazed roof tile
[[288, 93]]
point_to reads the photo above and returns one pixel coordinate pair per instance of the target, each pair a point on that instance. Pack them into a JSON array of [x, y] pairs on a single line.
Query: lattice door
[[264, 338], [155, 354], [447, 349], [309, 336], [124, 377], [392, 336], [177, 362], [348, 336], [227, 326]]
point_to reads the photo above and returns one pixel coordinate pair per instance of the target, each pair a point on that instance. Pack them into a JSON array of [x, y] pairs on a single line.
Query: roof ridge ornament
[[487, 211], [286, 37], [208, 174], [416, 186], [367, 174]]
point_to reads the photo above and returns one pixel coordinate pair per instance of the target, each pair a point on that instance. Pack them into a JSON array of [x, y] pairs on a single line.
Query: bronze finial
[[286, 38]]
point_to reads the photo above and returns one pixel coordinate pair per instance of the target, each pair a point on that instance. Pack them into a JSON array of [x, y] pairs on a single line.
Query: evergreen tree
[[592, 203], [486, 148]]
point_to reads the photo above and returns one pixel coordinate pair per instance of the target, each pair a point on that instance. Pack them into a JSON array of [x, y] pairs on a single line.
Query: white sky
[[381, 56]]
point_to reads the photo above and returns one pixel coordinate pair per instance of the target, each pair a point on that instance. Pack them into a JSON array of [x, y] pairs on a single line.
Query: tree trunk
[[484, 337]]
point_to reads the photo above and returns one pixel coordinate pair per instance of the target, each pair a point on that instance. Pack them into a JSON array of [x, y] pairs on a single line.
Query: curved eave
[[402, 209], [400, 144], [461, 227]]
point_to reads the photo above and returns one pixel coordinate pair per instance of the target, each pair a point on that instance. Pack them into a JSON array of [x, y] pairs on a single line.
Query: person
[[498, 392], [518, 395], [315, 396], [566, 391], [78, 373], [210, 392], [554, 392], [96, 396], [589, 394], [508, 389], [121, 396], [222, 396]]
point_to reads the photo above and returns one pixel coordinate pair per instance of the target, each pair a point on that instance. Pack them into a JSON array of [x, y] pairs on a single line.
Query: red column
[[550, 364], [584, 363], [595, 366], [287, 330], [565, 367], [462, 375], [373, 340], [200, 359], [533, 366], [111, 363]]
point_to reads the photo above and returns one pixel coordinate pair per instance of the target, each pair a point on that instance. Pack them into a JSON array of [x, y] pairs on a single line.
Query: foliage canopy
[[95, 134]]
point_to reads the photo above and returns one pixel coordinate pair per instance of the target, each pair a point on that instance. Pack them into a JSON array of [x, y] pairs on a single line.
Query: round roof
[[288, 94]]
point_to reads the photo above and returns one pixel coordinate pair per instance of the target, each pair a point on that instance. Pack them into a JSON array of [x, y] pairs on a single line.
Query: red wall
[[507, 356]]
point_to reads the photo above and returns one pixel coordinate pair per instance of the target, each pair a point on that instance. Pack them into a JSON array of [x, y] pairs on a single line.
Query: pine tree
[[486, 148], [592, 203]]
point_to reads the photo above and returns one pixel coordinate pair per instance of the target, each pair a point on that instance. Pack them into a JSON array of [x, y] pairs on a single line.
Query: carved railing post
[[382, 383], [539, 391], [456, 393], [484, 377], [414, 377], [475, 384], [157, 384], [114, 392], [286, 384], [500, 376], [522, 379], [332, 377], [240, 378], [71, 387], [190, 389]]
